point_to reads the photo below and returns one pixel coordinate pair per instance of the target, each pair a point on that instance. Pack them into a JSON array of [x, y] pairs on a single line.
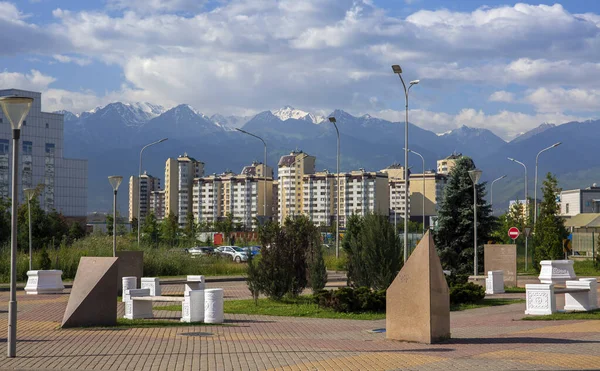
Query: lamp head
[[475, 175], [511, 159], [332, 119], [162, 140], [414, 82], [29, 193], [115, 181], [15, 109], [397, 69], [556, 144]]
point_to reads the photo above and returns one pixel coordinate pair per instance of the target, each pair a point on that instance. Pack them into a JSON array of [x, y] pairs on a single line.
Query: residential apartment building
[[319, 197], [41, 161], [525, 205], [139, 195], [433, 193], [444, 166], [179, 178], [396, 195], [242, 196], [580, 201], [157, 204], [362, 193], [292, 168]]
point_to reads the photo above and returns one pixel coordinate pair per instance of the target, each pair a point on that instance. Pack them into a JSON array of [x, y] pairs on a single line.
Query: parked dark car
[[201, 251], [253, 250]]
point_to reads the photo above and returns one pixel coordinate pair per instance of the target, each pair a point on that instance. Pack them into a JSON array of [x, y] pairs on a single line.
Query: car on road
[[237, 254], [201, 251], [253, 250]]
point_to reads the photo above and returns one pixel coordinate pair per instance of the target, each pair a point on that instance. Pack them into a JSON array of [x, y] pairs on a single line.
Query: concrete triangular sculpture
[[418, 302], [93, 297]]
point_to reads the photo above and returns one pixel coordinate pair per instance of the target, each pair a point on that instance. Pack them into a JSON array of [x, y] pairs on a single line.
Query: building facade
[[579, 201], [41, 161], [433, 194], [444, 166], [396, 195], [145, 185], [292, 168], [157, 204], [179, 179], [319, 197]]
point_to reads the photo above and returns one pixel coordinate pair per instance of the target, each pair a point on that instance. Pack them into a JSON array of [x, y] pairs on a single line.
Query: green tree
[[454, 233], [169, 229], [550, 229], [190, 231], [134, 226], [150, 229], [304, 248], [76, 231], [4, 220], [374, 251], [109, 224], [226, 227]]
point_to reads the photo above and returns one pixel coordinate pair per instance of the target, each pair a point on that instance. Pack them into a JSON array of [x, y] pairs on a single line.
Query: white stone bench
[[580, 295], [494, 282], [44, 282], [194, 283], [152, 283], [139, 304], [556, 271]]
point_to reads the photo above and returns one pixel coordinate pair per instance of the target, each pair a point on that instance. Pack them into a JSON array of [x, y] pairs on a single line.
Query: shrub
[[466, 293], [350, 300], [45, 262]]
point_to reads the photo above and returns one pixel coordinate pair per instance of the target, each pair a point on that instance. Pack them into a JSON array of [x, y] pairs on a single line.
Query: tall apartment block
[[434, 193], [445, 165], [41, 160], [397, 186], [157, 204], [292, 168], [319, 197], [179, 179], [146, 184], [242, 196]]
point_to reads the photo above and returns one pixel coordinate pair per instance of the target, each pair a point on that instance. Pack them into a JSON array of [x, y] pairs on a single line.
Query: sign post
[[527, 231], [513, 233]]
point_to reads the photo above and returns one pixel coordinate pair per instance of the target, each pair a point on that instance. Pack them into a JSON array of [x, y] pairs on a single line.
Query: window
[[567, 208], [24, 123], [3, 146], [27, 148]]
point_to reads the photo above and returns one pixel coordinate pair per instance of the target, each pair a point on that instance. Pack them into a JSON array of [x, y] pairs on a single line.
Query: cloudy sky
[[501, 65]]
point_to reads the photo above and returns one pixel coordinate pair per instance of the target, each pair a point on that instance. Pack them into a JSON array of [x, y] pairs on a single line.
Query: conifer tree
[[550, 231]]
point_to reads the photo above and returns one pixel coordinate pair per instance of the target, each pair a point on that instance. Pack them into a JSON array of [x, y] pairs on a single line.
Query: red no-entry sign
[[513, 233]]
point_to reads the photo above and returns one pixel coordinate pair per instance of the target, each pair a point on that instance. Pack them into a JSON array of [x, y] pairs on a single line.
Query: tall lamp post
[[422, 159], [115, 181], [15, 109], [29, 194], [140, 188], [492, 191], [264, 172], [337, 181], [475, 175], [525, 167], [535, 182], [398, 70]]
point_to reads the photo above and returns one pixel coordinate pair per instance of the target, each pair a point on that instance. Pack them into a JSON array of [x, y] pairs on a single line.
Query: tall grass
[[158, 261]]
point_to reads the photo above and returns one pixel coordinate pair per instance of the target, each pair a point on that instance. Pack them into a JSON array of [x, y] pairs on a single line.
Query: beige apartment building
[[243, 195], [157, 204], [397, 186], [179, 177], [141, 200], [444, 166], [434, 193], [291, 169]]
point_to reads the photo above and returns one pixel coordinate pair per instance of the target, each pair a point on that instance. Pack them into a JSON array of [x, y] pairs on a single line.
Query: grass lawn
[[304, 307], [563, 316], [514, 290]]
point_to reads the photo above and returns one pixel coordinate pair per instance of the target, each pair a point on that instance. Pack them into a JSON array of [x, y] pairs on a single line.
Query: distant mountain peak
[[288, 112], [533, 132]]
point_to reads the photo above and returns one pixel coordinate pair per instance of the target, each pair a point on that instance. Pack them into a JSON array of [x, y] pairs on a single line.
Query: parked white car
[[236, 253]]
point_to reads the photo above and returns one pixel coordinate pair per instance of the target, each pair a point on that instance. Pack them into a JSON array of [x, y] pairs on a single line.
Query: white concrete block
[[540, 299], [194, 283], [556, 271], [582, 301], [193, 307], [213, 306], [137, 308], [44, 282], [152, 283], [494, 282], [129, 283]]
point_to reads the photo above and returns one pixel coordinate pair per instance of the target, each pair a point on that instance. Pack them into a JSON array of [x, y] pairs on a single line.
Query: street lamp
[[337, 180], [525, 167], [15, 109], [398, 70], [115, 181], [492, 191], [264, 172], [475, 175], [140, 189], [423, 159], [535, 185], [29, 194]]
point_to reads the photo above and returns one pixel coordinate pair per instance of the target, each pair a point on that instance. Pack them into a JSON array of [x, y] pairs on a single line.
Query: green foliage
[[352, 300], [150, 229], [226, 226], [253, 278], [46, 228], [4, 220], [466, 293], [45, 262], [109, 224], [550, 230], [76, 231], [374, 251], [454, 233], [169, 229], [191, 229]]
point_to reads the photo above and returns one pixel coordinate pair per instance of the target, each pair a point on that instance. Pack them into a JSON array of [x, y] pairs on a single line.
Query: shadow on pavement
[[517, 340]]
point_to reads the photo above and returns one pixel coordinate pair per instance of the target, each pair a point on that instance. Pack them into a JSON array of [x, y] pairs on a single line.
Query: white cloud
[[560, 100], [66, 59], [502, 96], [149, 6], [34, 80]]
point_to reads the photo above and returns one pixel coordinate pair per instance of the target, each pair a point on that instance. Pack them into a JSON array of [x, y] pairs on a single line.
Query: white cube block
[[540, 299], [194, 283], [129, 283], [494, 282], [44, 282], [193, 307], [213, 306], [584, 300], [152, 283], [137, 308], [556, 271]]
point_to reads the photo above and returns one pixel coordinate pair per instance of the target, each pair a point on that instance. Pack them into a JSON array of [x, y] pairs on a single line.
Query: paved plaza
[[492, 338]]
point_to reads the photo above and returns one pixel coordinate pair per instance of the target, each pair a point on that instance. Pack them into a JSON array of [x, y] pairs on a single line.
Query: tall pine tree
[[550, 230], [454, 233]]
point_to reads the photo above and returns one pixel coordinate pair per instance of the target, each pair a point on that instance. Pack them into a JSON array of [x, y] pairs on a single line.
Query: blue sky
[[502, 65]]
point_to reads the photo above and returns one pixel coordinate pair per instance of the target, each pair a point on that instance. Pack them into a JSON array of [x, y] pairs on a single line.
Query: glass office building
[[41, 160]]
